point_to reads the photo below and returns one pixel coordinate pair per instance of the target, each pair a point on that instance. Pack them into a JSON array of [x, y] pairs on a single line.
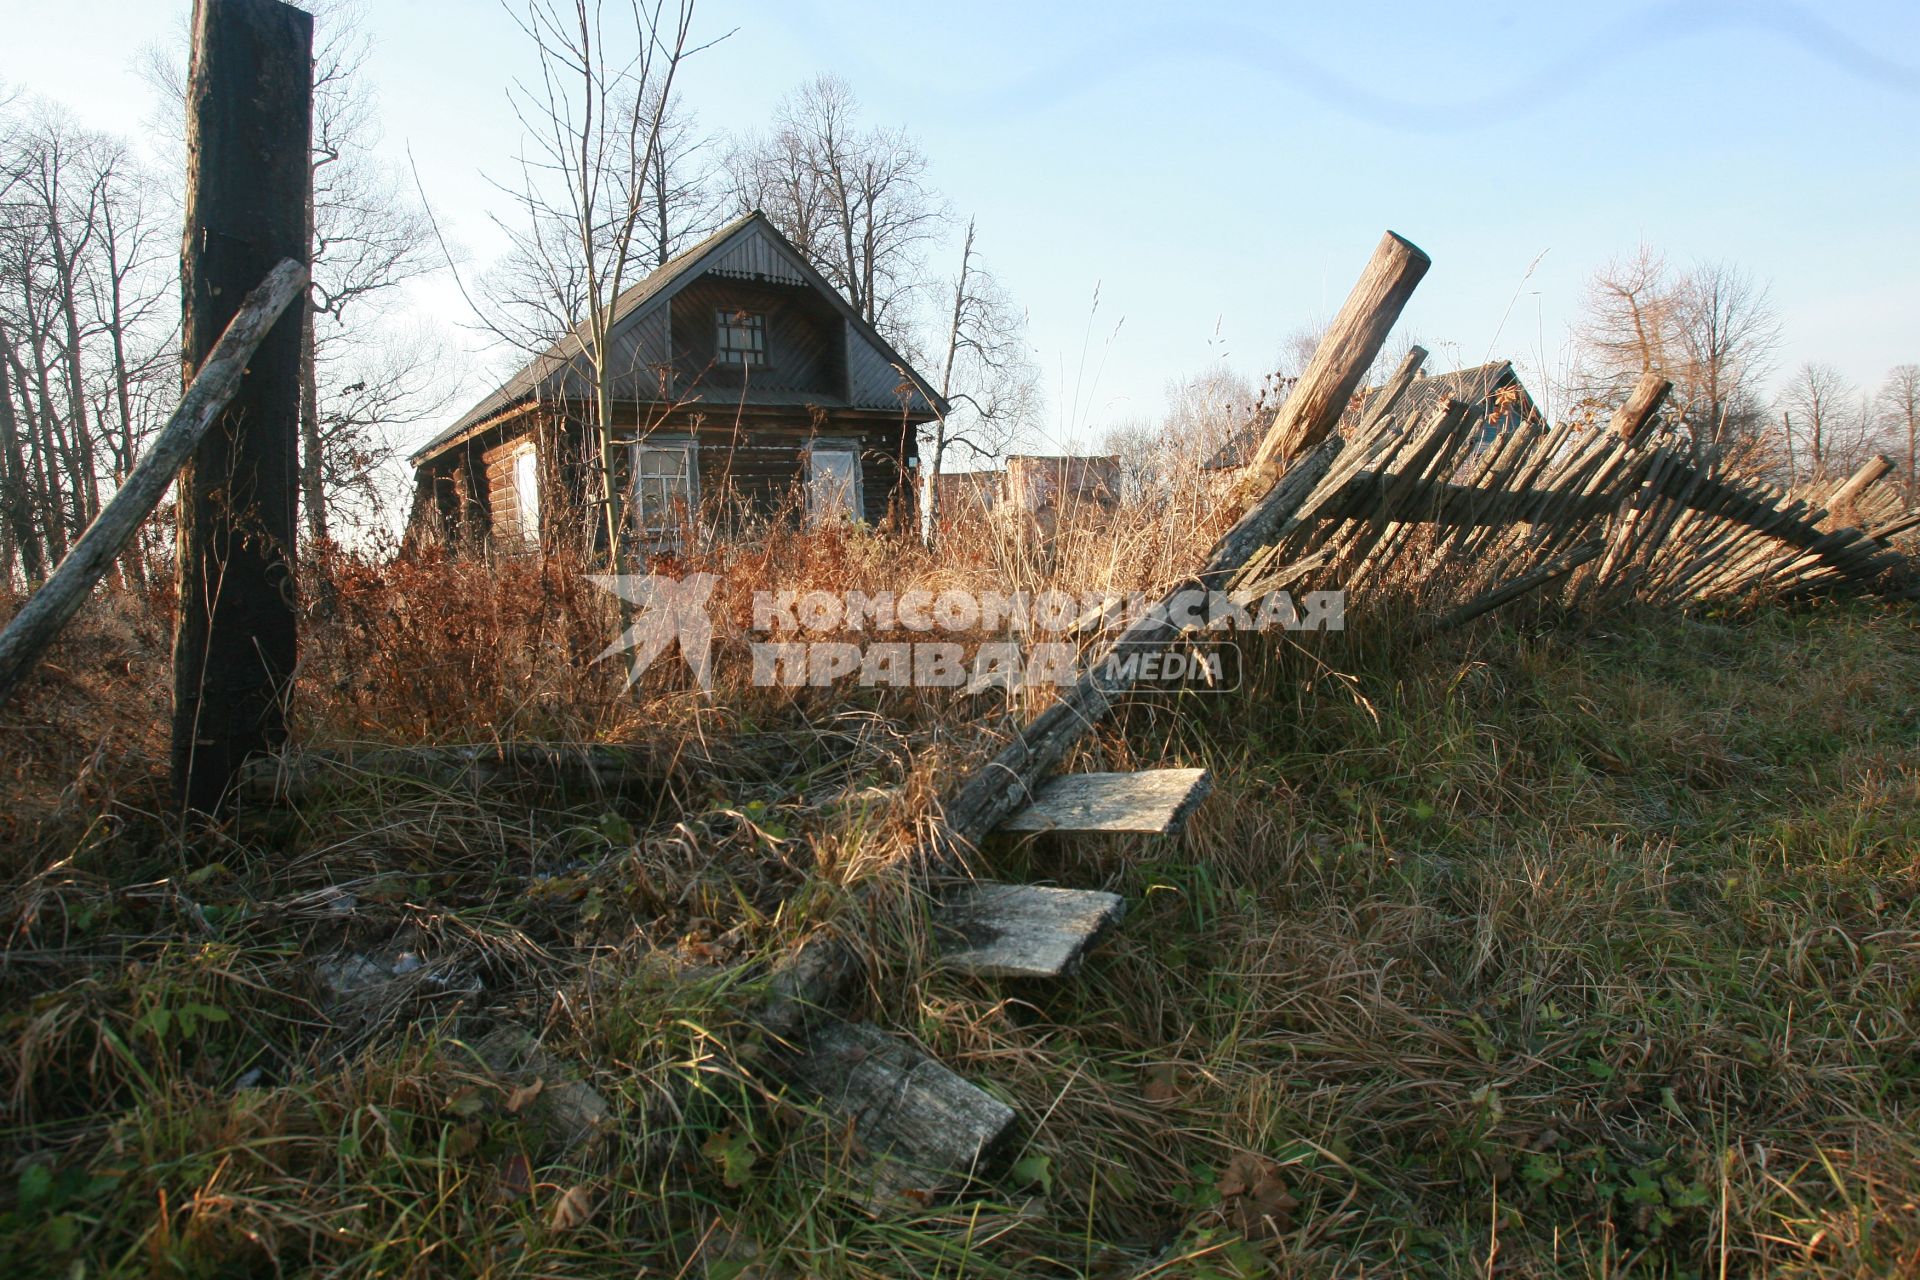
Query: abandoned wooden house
[[1497, 402], [745, 385]]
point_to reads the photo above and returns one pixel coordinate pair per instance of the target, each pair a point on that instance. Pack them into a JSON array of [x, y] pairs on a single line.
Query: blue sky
[[1220, 172]]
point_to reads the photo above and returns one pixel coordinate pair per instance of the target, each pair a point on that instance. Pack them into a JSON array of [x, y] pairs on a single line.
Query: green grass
[[1554, 952]]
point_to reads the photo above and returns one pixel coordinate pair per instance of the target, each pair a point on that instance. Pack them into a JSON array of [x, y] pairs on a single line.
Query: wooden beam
[[1150, 802], [55, 603], [564, 766], [249, 171], [1023, 930], [1636, 415], [924, 1128], [1893, 528], [1344, 355]]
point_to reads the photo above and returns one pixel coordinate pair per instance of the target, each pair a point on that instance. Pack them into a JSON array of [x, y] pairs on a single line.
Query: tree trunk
[[17, 498], [313, 484], [946, 390]]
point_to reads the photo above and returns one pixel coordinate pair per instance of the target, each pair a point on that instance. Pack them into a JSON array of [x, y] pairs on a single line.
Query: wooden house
[[745, 386]]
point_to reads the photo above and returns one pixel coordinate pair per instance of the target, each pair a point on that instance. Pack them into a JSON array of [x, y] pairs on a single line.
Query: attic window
[[742, 337]]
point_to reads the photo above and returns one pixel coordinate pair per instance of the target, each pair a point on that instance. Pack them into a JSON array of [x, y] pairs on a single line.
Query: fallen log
[[590, 768]]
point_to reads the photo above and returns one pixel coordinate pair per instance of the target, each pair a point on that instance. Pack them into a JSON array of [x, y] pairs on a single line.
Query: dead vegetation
[[1568, 947]]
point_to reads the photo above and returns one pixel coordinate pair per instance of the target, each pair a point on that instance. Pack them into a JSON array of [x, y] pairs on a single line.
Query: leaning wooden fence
[[1630, 509]]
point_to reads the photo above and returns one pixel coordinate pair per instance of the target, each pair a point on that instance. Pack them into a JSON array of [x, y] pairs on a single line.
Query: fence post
[[249, 116]]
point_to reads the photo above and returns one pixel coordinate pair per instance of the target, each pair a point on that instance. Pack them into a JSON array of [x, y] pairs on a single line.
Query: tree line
[[615, 176]]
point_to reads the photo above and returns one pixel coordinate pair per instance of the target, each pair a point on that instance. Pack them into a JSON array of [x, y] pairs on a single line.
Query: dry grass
[[1571, 949]]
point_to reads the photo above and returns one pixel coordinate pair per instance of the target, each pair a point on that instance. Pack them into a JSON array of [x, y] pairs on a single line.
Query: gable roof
[[749, 247], [1475, 387]]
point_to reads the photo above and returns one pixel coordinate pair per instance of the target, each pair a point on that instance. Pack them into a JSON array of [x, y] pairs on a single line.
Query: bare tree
[[987, 375], [537, 290], [389, 379], [85, 321], [1205, 412], [370, 237], [1630, 321], [1898, 406], [853, 199], [1816, 408], [595, 118], [681, 206], [1727, 331], [1711, 329]]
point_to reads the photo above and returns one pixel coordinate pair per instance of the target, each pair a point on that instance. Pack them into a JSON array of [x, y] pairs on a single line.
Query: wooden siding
[[639, 352], [804, 348], [872, 381], [503, 497], [762, 469], [754, 254]]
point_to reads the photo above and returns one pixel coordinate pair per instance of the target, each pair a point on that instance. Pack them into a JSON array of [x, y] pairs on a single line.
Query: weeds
[[1560, 948]]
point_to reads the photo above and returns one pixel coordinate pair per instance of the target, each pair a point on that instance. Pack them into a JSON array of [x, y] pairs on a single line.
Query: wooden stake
[[1388, 397], [1636, 415], [249, 116], [1510, 591], [1344, 355]]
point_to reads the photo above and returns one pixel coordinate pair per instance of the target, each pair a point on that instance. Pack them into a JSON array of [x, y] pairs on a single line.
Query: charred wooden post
[[249, 115], [1345, 354], [55, 603], [1632, 419]]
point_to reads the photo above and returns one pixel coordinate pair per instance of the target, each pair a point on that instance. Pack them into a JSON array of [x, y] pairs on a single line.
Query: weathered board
[[1152, 801], [1024, 930], [924, 1128]]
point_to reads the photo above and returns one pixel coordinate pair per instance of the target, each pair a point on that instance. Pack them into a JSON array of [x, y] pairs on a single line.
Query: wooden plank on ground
[[924, 1128], [1151, 801], [1024, 930]]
